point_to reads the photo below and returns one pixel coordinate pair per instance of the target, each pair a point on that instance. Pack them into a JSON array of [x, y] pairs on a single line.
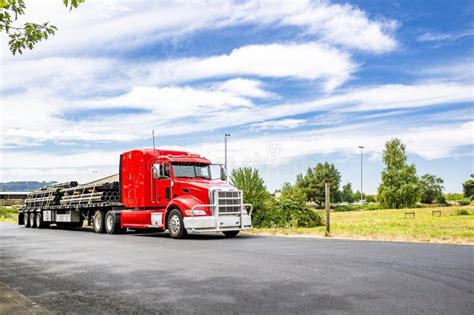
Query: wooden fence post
[[327, 204]]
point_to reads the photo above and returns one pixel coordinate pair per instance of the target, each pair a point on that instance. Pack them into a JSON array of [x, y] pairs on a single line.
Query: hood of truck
[[201, 183], [198, 187]]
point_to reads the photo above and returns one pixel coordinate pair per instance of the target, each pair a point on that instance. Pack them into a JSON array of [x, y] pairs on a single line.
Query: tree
[[400, 185], [312, 184], [431, 188], [28, 34], [253, 187], [347, 194], [468, 187], [290, 191], [358, 195]]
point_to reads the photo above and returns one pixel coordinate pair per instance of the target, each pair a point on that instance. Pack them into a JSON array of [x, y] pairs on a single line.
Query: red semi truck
[[155, 189]]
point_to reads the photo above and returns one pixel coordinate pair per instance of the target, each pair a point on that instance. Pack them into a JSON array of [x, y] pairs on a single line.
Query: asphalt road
[[83, 272]]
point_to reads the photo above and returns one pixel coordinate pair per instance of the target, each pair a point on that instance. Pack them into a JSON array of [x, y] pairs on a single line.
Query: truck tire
[[176, 225], [39, 221], [26, 219], [99, 222], [32, 220], [112, 225], [231, 233]]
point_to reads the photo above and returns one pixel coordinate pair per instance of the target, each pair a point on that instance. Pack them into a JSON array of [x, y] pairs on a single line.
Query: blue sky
[[293, 83]]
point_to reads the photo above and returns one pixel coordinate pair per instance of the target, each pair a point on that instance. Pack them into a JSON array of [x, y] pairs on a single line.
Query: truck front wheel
[[112, 225], [176, 225], [99, 226]]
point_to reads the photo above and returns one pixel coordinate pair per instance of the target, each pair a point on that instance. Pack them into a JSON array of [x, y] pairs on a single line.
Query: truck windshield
[[190, 170]]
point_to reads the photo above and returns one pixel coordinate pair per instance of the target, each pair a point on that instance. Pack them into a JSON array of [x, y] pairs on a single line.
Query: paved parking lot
[[83, 272]]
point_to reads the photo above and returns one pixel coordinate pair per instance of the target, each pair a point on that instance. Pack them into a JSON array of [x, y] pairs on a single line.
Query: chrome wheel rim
[[110, 222], [32, 219], [174, 224], [37, 220]]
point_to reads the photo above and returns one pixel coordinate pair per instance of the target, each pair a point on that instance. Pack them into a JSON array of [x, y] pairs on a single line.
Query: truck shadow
[[165, 235], [158, 234]]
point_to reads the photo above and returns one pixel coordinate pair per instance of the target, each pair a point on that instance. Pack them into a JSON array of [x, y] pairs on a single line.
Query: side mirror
[[218, 172], [223, 174], [156, 169]]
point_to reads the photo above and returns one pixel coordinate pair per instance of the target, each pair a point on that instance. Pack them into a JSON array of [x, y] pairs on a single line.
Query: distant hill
[[23, 186]]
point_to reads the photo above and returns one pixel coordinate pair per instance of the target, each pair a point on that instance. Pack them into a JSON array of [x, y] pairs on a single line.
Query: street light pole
[[361, 174], [226, 135]]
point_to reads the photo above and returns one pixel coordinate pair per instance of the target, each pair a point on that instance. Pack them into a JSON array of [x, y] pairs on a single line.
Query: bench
[[437, 212], [409, 214]]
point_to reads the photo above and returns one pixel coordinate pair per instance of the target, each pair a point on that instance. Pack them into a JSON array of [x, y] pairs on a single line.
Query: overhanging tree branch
[[29, 34]]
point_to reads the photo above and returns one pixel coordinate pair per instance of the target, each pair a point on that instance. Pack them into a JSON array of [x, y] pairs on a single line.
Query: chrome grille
[[229, 202]]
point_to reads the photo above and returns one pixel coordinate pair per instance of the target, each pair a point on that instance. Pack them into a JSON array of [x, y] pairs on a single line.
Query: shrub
[[371, 198], [289, 212], [344, 208], [453, 196], [441, 200], [8, 213], [372, 206], [462, 212], [464, 202]]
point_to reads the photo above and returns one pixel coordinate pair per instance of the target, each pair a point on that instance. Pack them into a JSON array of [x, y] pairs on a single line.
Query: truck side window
[[156, 171]]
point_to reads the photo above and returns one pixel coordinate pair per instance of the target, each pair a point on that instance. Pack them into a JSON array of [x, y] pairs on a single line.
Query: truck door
[[161, 188]]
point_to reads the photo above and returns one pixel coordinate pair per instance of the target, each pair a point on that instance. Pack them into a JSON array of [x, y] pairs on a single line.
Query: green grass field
[[392, 225], [8, 214]]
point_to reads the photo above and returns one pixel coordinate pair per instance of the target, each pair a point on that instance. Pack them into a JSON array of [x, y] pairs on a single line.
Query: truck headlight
[[195, 212]]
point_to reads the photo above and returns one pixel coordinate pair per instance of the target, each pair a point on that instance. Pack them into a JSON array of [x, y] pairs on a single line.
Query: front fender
[[185, 203]]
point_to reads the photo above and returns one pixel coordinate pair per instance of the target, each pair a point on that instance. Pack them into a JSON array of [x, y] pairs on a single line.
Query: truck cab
[[178, 191]]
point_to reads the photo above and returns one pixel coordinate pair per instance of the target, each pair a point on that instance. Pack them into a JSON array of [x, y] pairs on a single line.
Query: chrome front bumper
[[202, 224], [219, 221]]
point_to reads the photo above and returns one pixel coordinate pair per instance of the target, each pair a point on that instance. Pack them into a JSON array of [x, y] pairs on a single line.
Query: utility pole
[[327, 205], [361, 174], [226, 135]]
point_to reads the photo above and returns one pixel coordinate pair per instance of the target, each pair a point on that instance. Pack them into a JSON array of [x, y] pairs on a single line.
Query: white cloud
[[346, 25], [182, 110], [450, 70], [244, 87], [446, 37], [432, 142], [96, 25], [44, 117], [310, 61], [393, 96], [76, 76], [279, 124]]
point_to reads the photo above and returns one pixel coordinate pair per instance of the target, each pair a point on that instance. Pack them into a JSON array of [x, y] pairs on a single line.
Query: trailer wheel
[[32, 220], [26, 218], [231, 233], [99, 226], [176, 225], [39, 221], [112, 225]]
